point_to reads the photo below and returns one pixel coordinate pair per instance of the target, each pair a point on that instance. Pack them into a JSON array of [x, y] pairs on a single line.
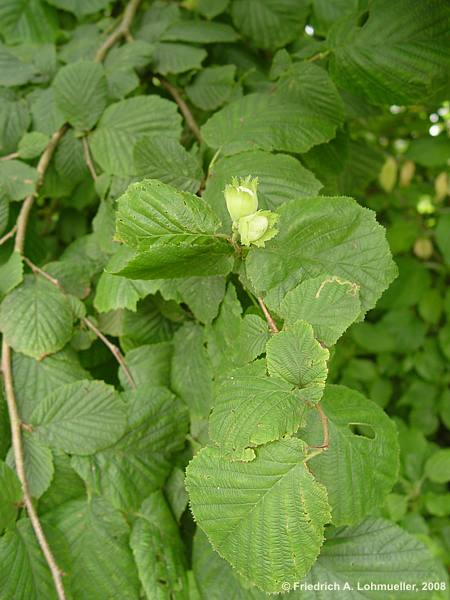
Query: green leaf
[[174, 233], [24, 572], [18, 179], [36, 318], [318, 236], [252, 511], [199, 32], [140, 461], [14, 120], [212, 87], [158, 550], [115, 292], [328, 303], [81, 93], [437, 467], [149, 365], [303, 110], [47, 117], [157, 157], [280, 178], [442, 238], [97, 536], [11, 273], [80, 8], [191, 373], [123, 123], [177, 58], [297, 357], [27, 21], [211, 8], [80, 417], [251, 408], [13, 71], [270, 23], [32, 144], [38, 462], [66, 484], [396, 55], [360, 465], [10, 496]]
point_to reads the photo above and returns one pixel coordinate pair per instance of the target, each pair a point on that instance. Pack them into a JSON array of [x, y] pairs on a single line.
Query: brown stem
[[10, 156], [20, 469], [272, 325], [186, 111], [8, 235], [123, 30], [88, 159]]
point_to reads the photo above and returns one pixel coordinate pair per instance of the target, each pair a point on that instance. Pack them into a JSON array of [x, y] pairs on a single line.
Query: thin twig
[[10, 156], [20, 469], [37, 271], [186, 111], [272, 325], [88, 159], [113, 349], [318, 56], [41, 168], [8, 235], [123, 30]]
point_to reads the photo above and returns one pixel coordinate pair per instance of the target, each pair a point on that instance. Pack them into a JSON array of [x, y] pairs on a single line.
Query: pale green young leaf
[[162, 158], [36, 318], [251, 409], [124, 122], [11, 274], [361, 464], [158, 550], [322, 235], [328, 303], [297, 357], [80, 417], [251, 511], [10, 495], [38, 463], [81, 93]]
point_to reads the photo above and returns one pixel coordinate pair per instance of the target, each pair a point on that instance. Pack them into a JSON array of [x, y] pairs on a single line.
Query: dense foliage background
[[109, 379]]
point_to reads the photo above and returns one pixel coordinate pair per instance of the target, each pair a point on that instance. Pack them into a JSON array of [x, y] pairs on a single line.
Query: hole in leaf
[[363, 430]]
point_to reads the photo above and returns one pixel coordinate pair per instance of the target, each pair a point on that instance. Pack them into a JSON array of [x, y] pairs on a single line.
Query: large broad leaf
[[97, 536], [80, 7], [328, 303], [212, 87], [280, 178], [24, 573], [303, 109], [115, 292], [398, 52], [141, 460], [81, 93], [251, 408], [297, 357], [123, 123], [158, 550], [27, 21], [162, 158], [172, 232], [270, 23], [38, 463], [36, 318], [361, 464], [318, 236], [11, 273], [80, 417], [149, 365], [10, 495], [17, 179], [199, 32], [12, 70], [177, 58], [373, 553], [256, 511]]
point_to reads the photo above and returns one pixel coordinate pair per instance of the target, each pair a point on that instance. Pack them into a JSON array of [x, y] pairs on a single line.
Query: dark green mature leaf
[[174, 233], [80, 8], [36, 318], [17, 179], [149, 365], [11, 273], [27, 21], [200, 32], [270, 23], [319, 236], [157, 157], [140, 461], [251, 409], [251, 510], [158, 550], [13, 71], [81, 93], [361, 464], [398, 52], [123, 123], [97, 536], [280, 178], [14, 120], [212, 87], [177, 58], [10, 495], [80, 417], [303, 110], [38, 462]]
